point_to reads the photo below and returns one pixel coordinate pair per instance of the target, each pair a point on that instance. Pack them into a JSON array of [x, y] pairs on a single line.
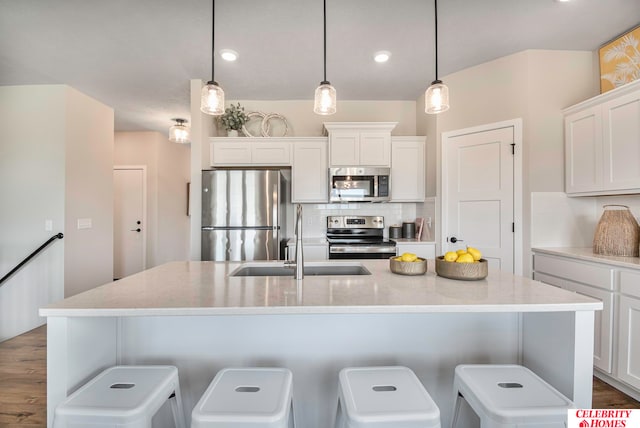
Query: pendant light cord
[[324, 15], [213, 35], [435, 7]]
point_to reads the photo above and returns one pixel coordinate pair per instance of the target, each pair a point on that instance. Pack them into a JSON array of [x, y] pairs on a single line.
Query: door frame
[[518, 251], [143, 168]]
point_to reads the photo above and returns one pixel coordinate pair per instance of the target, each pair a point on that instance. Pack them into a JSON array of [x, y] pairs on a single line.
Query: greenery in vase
[[233, 118]]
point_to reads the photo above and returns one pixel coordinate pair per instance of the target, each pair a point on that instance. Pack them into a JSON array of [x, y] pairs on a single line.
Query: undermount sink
[[310, 269]]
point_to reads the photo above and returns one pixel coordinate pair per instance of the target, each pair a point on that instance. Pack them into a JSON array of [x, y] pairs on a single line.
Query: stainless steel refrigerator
[[243, 214]]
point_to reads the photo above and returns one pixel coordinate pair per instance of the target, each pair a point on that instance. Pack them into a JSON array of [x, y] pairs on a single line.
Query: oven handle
[[361, 249]]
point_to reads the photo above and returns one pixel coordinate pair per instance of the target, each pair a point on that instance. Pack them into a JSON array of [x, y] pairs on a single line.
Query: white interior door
[[129, 221], [478, 192]]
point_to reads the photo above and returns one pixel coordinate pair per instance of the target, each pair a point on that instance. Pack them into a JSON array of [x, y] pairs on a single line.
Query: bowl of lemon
[[408, 264], [465, 265]]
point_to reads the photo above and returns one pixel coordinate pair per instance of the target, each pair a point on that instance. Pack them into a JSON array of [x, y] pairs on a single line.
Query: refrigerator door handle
[[240, 227]]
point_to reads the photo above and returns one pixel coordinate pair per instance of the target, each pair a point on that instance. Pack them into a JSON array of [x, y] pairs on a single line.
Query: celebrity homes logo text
[[603, 418]]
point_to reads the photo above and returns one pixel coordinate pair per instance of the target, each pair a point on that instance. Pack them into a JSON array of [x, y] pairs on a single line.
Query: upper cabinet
[[250, 151], [359, 143], [407, 169], [309, 172], [602, 144]]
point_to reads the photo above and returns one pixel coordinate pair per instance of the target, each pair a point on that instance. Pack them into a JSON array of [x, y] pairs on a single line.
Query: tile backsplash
[[561, 221]]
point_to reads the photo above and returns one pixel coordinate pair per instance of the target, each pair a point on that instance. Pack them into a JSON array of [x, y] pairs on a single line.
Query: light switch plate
[[48, 225], [84, 223]]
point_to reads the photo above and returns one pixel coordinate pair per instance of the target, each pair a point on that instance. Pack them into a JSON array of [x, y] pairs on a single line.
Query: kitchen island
[[197, 317]]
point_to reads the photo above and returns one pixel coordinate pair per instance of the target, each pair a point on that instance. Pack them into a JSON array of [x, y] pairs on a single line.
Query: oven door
[[340, 251]]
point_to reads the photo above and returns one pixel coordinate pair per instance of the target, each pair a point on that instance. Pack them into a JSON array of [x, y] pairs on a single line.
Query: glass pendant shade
[[325, 99], [212, 100], [180, 133], [436, 98]]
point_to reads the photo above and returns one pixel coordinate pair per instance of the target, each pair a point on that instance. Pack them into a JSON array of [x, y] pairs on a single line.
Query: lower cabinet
[[311, 251], [617, 326], [629, 329]]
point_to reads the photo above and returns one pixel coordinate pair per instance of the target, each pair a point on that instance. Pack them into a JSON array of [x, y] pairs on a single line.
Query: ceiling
[[138, 56]]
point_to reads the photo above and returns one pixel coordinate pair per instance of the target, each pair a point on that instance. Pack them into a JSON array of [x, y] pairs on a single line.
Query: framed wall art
[[620, 60]]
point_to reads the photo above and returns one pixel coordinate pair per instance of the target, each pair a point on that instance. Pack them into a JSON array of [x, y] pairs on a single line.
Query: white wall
[[303, 122], [89, 190], [45, 131], [533, 85], [167, 164]]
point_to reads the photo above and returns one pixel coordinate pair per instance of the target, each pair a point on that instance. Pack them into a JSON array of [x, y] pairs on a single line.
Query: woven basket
[[617, 232]]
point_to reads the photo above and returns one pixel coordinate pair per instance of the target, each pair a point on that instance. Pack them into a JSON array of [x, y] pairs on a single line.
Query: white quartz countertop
[[204, 288], [587, 254]]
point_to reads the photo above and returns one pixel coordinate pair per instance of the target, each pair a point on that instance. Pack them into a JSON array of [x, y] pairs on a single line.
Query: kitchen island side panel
[[316, 347]]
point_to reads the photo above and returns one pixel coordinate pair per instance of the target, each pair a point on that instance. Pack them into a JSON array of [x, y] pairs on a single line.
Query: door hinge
[[513, 148], [513, 227]]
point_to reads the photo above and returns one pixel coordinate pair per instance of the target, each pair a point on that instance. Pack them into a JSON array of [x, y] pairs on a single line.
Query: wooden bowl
[[408, 268], [462, 271]]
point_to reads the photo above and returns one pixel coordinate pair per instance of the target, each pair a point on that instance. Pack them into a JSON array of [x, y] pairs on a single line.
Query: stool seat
[[246, 398], [381, 397], [508, 395], [123, 396]]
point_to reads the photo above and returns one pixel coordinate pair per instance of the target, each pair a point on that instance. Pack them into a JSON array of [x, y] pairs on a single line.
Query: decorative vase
[[232, 133], [617, 232]]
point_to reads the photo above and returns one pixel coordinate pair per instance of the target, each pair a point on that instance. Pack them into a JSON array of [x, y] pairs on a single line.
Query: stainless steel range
[[358, 237]]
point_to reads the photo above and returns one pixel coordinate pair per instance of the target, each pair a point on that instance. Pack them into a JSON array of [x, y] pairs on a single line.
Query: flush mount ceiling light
[[381, 56], [180, 132], [436, 97], [325, 97], [212, 98], [228, 55]]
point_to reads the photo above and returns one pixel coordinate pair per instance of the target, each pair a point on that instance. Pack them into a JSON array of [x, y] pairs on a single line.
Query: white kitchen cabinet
[[591, 280], [426, 250], [253, 151], [407, 169], [359, 143], [309, 171], [602, 144], [629, 329]]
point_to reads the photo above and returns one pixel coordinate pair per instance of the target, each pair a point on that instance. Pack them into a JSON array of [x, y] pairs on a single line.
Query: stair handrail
[[30, 256]]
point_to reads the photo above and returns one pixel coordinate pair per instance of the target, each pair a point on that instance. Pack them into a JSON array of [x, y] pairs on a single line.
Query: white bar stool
[[246, 398], [122, 396], [384, 397], [508, 396]]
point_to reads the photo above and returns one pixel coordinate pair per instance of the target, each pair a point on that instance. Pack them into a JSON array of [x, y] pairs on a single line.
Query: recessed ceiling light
[[563, 1], [382, 56], [228, 55]]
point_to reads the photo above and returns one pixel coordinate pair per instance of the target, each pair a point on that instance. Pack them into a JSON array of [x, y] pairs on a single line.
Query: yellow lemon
[[477, 255], [465, 258], [450, 256], [398, 258], [409, 257], [459, 252]]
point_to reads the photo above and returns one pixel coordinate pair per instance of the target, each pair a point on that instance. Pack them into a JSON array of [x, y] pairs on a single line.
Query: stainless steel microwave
[[359, 184]]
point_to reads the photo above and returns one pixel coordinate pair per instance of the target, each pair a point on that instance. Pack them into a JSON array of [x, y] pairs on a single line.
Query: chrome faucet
[[299, 260]]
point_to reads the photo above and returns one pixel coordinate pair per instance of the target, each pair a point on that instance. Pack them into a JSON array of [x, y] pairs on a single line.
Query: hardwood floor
[[23, 380]]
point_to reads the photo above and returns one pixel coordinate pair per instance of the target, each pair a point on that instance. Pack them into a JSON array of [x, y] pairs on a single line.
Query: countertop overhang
[[205, 288]]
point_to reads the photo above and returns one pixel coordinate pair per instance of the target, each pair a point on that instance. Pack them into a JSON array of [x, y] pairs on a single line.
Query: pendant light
[[212, 99], [436, 97], [180, 133], [325, 97]]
